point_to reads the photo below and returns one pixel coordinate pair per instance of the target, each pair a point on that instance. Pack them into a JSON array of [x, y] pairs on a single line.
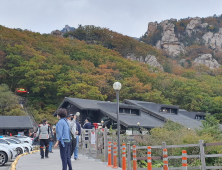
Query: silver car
[[25, 139], [5, 155], [27, 146], [19, 148]]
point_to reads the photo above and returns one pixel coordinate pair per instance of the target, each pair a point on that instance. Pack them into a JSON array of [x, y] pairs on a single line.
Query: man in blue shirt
[[63, 138]]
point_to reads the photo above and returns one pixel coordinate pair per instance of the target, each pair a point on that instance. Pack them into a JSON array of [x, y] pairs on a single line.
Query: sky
[[128, 17]]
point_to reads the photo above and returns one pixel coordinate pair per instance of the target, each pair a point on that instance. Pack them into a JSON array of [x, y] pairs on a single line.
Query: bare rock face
[[152, 26], [149, 59], [57, 33], [204, 25], [193, 23], [213, 40], [206, 59], [169, 41]]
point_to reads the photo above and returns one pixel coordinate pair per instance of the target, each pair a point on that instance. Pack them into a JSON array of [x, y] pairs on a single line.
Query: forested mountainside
[[53, 67]]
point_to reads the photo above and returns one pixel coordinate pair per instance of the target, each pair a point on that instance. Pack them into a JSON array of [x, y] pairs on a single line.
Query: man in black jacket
[[87, 125]]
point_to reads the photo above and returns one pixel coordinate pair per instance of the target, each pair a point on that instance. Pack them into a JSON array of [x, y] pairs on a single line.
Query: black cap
[[88, 118]]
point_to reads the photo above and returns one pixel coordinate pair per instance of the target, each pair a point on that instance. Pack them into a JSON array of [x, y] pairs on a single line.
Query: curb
[[13, 166]]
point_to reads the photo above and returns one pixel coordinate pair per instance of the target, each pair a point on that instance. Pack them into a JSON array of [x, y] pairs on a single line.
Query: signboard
[[21, 133], [93, 138], [21, 90]]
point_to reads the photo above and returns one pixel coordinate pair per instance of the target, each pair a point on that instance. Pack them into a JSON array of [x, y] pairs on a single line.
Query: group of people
[[67, 134]]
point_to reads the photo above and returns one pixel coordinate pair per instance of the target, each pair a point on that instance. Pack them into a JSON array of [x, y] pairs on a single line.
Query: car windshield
[[20, 136], [11, 141], [2, 141], [17, 140]]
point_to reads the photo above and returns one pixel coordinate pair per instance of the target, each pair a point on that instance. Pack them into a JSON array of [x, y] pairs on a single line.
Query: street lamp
[[102, 123], [77, 114], [138, 127], [117, 86]]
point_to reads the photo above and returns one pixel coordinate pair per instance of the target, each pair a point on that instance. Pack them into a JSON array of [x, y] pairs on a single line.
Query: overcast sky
[[129, 17]]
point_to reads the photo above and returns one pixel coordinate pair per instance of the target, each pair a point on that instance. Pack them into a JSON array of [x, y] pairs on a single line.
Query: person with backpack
[[44, 133], [72, 125]]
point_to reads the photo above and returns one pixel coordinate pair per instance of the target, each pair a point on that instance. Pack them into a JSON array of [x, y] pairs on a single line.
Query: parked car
[[25, 139], [13, 151], [19, 148], [27, 147], [5, 155]]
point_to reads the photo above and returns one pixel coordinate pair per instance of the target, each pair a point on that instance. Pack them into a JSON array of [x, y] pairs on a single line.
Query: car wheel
[[26, 150], [19, 151], [3, 158]]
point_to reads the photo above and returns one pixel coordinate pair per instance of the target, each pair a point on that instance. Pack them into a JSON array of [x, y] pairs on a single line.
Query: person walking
[[44, 132], [51, 140], [87, 125], [78, 133], [63, 139], [72, 125]]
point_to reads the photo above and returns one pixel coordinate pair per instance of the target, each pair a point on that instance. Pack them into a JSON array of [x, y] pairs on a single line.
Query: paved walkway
[[33, 162]]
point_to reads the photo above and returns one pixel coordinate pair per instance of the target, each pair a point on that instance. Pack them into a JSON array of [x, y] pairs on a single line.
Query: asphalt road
[[34, 162], [6, 166]]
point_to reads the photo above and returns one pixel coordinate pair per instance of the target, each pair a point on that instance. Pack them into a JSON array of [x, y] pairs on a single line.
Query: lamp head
[[77, 113], [117, 86], [138, 123], [102, 121]]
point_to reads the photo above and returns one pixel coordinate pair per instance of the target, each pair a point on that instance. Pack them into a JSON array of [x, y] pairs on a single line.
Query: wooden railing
[[101, 148]]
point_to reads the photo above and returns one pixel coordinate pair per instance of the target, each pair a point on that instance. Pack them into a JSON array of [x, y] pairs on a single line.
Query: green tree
[[7, 98]]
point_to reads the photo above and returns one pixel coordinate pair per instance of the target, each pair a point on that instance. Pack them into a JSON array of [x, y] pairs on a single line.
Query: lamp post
[[138, 127], [117, 86], [77, 114], [102, 123]]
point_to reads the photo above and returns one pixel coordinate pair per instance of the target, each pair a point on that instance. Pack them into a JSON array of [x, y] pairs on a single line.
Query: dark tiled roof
[[128, 120], [150, 115], [179, 118], [191, 114], [109, 109], [15, 122]]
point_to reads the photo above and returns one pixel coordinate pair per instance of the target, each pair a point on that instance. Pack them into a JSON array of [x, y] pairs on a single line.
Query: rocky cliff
[[149, 59], [169, 42], [174, 36], [207, 60]]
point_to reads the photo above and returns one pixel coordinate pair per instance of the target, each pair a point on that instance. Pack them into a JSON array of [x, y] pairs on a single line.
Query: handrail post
[[89, 141], [149, 158], [109, 156], [134, 158], [112, 154], [83, 142], [184, 160], [105, 145], [128, 156], [202, 155], [97, 143], [115, 157], [124, 156]]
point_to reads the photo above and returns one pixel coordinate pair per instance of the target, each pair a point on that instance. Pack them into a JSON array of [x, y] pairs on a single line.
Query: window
[[168, 110], [129, 111], [200, 117]]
